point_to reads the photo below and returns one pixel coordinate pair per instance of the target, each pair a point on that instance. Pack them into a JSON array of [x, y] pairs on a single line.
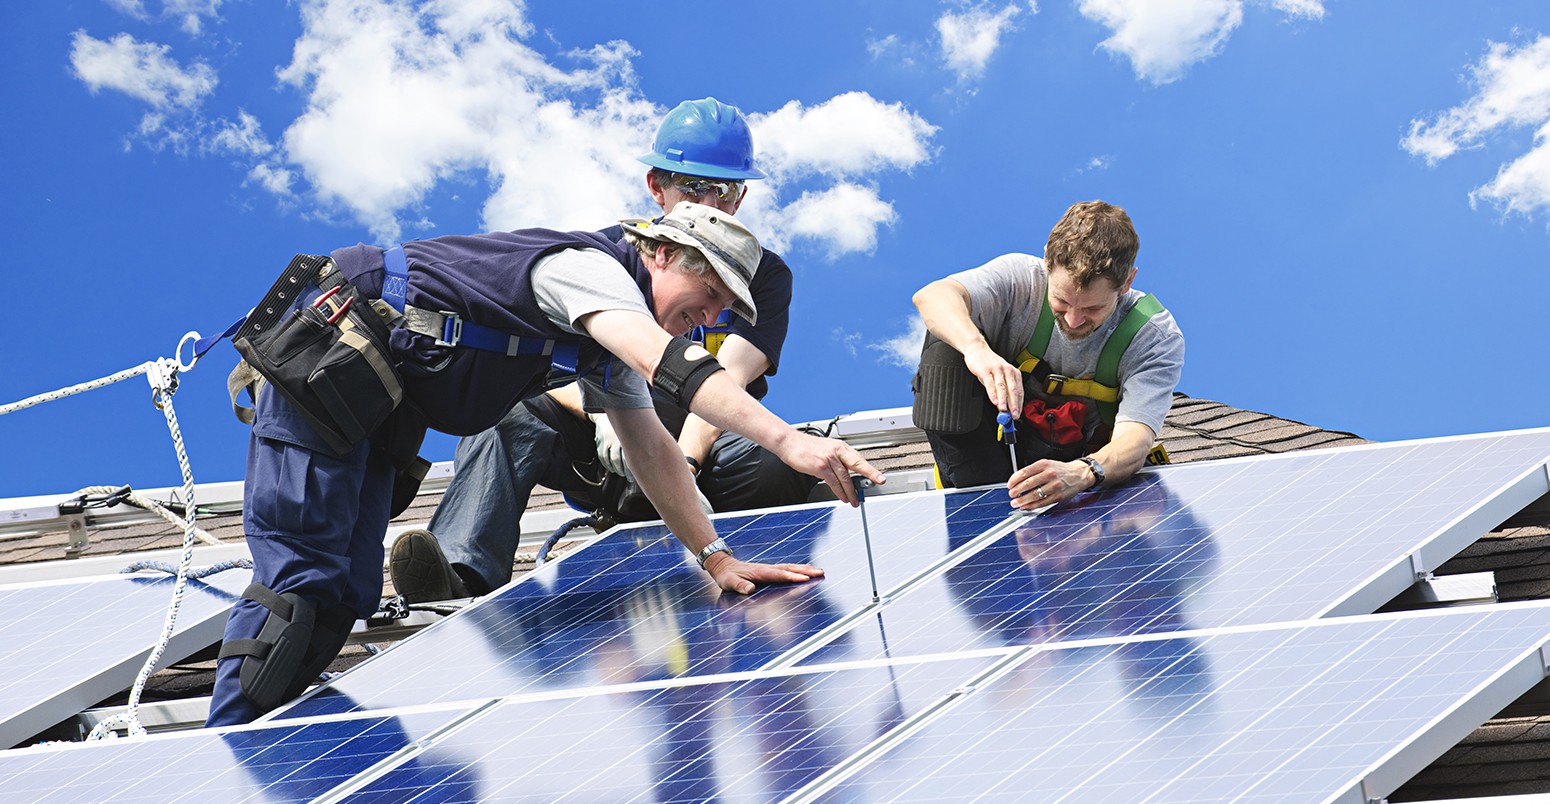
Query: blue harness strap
[[457, 332]]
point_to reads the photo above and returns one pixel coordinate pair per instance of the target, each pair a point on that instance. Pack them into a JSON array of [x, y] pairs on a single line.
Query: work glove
[[609, 450]]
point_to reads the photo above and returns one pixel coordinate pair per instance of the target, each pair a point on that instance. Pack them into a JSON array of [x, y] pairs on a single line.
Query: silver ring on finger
[[1041, 494]]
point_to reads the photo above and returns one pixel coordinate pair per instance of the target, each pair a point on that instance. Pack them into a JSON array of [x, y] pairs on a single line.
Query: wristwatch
[[1097, 469], [717, 546]]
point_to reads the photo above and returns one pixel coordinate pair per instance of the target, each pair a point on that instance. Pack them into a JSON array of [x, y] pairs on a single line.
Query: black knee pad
[[330, 630], [272, 660], [948, 397]]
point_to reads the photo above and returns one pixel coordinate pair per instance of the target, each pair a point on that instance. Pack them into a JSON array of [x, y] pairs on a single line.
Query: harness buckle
[[1054, 383], [451, 329]]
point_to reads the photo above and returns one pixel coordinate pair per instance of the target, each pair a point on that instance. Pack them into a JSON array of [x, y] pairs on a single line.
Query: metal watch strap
[[717, 546]]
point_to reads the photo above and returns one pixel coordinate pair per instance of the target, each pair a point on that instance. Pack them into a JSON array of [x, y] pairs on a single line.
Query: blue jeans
[[478, 522]]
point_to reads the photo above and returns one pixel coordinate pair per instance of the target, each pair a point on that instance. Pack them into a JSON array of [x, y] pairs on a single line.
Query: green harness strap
[[1104, 386]]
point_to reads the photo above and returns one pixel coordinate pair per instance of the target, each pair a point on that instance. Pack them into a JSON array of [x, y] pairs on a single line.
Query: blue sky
[[1345, 204]]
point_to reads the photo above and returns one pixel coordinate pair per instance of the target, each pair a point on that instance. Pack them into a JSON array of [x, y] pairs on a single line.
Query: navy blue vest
[[483, 278]]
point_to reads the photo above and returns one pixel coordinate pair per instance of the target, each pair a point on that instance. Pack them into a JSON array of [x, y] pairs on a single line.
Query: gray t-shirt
[[1005, 295], [577, 282]]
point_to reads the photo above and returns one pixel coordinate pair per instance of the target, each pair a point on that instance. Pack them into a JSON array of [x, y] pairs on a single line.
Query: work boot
[[420, 570]]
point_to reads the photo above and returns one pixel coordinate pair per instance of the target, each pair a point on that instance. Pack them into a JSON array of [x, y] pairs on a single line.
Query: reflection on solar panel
[[68, 645], [1218, 544], [1301, 712], [1133, 646], [753, 740], [632, 607], [289, 763]]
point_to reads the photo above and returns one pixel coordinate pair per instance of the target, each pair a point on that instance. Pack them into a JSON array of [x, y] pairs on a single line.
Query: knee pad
[[272, 660], [330, 630], [948, 397], [678, 377]]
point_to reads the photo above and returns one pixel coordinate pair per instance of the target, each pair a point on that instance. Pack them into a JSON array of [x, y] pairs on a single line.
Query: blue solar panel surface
[[280, 763], [1297, 713], [631, 607], [1208, 545], [59, 636], [1139, 707], [756, 740]]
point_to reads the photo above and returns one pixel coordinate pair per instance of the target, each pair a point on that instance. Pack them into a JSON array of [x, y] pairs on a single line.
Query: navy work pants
[[314, 523]]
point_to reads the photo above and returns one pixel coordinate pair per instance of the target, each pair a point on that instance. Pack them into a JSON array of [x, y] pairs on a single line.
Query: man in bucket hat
[[703, 152], [484, 319]]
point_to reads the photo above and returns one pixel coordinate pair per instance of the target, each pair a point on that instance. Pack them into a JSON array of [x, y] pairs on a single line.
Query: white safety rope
[[163, 377]]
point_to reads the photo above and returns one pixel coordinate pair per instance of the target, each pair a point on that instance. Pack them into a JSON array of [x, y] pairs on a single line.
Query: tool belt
[[330, 357]]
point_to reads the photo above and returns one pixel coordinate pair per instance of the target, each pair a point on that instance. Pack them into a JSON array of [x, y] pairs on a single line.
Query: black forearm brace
[[679, 377]]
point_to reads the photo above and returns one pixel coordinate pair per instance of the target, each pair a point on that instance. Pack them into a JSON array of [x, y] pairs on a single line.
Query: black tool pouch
[[948, 397], [331, 359], [1057, 427]]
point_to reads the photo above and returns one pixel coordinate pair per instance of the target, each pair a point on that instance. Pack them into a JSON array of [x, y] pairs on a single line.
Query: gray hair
[[689, 259]]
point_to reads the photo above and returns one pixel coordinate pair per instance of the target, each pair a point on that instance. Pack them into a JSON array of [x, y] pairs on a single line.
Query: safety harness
[[450, 329], [1103, 387], [713, 336]]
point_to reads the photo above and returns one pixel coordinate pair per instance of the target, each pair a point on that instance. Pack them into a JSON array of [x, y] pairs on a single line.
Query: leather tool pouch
[[330, 358], [948, 397]]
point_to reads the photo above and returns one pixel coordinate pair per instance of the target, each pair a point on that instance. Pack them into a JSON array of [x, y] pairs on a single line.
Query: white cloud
[[243, 138], [1163, 39], [902, 350], [843, 219], [1512, 91], [848, 137], [402, 98], [143, 70], [189, 14], [1310, 9], [969, 38]]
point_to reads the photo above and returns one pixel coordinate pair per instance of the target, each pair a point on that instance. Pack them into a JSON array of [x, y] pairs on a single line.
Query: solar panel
[[758, 739], [1344, 709], [294, 762], [632, 606], [1218, 544], [67, 645]]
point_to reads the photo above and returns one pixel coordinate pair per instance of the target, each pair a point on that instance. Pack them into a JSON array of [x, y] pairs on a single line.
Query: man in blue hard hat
[[703, 153]]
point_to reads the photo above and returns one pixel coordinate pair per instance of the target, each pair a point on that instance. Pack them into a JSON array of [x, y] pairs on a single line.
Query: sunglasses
[[699, 187]]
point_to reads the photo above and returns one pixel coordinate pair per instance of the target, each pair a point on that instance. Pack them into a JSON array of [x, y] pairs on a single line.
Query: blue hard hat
[[705, 138]]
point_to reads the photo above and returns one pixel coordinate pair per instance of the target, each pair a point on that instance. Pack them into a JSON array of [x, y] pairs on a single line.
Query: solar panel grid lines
[[292, 762], [1200, 545], [1318, 706], [71, 643], [628, 607], [754, 736], [868, 611]]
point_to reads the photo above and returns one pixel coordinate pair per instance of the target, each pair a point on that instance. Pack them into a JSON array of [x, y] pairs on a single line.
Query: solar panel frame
[[79, 657]]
